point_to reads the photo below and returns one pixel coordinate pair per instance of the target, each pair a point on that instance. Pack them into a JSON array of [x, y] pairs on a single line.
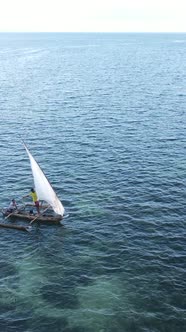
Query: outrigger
[[53, 212]]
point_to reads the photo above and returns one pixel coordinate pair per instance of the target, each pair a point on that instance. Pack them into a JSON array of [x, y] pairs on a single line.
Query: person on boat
[[33, 194], [12, 207]]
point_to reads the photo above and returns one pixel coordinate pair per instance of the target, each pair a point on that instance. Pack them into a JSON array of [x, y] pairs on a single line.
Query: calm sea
[[104, 115]]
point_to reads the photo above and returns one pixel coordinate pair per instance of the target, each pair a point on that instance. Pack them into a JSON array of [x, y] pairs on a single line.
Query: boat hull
[[30, 217]]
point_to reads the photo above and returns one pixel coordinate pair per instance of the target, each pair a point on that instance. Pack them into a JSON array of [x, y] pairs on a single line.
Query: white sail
[[43, 188]]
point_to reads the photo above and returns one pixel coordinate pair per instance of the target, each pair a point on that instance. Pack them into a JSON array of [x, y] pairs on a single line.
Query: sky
[[92, 15]]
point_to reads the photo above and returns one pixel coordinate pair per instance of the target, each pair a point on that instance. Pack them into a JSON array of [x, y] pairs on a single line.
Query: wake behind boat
[[52, 212]]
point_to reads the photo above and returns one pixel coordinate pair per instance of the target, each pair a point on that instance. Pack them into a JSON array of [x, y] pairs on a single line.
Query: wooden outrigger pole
[[19, 227], [39, 214]]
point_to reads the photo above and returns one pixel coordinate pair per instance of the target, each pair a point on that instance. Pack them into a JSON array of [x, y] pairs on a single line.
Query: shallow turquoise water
[[104, 115]]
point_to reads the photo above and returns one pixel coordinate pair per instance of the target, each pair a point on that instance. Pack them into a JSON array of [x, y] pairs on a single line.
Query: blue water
[[104, 115]]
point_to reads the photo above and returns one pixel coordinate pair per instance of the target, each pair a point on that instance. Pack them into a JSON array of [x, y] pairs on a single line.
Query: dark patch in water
[[13, 326], [75, 329], [60, 297], [7, 269], [5, 308], [45, 324]]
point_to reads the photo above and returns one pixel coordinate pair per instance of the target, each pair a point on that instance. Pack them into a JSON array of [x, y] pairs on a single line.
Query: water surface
[[104, 115]]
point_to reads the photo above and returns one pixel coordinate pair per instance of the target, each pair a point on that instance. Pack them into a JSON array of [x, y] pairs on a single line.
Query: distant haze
[[93, 16]]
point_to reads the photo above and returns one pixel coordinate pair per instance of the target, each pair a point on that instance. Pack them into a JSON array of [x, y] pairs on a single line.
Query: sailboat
[[53, 211]]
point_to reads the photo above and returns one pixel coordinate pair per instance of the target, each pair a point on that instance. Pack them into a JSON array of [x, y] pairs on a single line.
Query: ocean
[[104, 116]]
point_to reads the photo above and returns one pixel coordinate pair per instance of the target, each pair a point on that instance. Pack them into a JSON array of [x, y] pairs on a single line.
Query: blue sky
[[93, 15]]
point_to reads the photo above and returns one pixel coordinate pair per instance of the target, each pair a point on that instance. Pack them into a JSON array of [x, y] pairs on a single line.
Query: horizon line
[[92, 31]]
